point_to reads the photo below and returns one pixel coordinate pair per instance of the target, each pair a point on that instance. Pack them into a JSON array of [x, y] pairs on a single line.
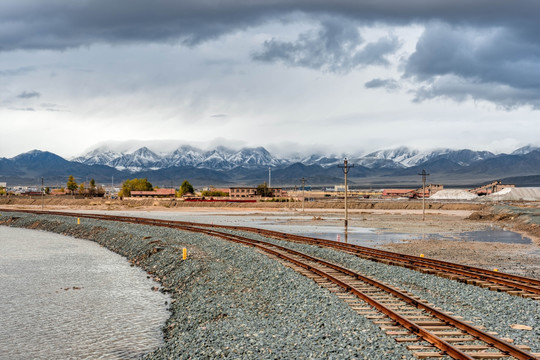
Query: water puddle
[[495, 235], [356, 235]]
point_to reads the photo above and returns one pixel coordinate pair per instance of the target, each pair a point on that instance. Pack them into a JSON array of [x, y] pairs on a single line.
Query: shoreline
[[228, 300], [211, 316], [522, 259]]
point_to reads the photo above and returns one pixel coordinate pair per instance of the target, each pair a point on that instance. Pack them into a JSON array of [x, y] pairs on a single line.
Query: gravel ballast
[[497, 311], [228, 300]]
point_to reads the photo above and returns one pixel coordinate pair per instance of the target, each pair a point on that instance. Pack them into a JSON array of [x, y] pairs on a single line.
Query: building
[[157, 193], [430, 190], [398, 193], [491, 188], [251, 192], [59, 192], [242, 192], [31, 193]]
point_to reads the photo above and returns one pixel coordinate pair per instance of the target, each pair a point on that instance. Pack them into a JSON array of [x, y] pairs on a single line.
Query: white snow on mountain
[[525, 150], [98, 157], [218, 158], [224, 158]]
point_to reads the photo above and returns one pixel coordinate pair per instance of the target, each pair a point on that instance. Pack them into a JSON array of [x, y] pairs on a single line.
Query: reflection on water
[[377, 238], [355, 235], [69, 298], [493, 235]]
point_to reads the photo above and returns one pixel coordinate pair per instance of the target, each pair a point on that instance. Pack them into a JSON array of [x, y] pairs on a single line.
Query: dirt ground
[[396, 217], [520, 259]]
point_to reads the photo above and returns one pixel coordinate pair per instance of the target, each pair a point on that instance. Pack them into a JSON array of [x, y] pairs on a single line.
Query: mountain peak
[[224, 158], [525, 150]]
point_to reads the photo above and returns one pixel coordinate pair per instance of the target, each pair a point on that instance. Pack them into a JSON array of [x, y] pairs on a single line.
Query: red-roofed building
[[155, 193], [395, 193]]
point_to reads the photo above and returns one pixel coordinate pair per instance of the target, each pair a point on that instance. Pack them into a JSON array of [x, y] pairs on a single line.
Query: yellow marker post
[[495, 269], [184, 254], [421, 255], [78, 221]]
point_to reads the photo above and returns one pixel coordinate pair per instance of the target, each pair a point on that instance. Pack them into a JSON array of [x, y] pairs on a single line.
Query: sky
[[294, 76]]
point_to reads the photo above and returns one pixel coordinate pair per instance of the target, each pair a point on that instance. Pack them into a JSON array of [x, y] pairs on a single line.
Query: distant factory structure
[[491, 188]]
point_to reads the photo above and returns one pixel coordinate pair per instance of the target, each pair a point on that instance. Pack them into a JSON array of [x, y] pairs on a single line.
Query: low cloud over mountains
[[249, 166]]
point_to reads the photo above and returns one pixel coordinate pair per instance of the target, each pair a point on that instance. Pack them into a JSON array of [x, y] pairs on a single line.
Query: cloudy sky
[[342, 76]]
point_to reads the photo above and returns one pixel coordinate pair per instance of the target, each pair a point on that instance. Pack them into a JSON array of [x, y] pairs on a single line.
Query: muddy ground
[[385, 216]]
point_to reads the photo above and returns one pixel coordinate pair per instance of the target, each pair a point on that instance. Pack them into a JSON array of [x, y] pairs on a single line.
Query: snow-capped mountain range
[[220, 158], [223, 158]]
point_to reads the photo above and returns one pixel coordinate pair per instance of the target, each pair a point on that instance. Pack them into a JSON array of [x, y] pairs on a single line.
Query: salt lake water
[[67, 298], [355, 235]]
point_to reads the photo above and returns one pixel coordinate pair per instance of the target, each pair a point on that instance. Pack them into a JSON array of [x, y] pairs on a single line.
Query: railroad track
[[409, 318], [493, 280]]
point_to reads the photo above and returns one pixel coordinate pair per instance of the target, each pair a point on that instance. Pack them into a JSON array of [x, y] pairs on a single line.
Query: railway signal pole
[[424, 176], [346, 167]]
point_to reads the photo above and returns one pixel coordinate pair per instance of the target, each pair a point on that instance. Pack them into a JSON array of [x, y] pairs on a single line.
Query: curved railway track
[[494, 280], [401, 314]]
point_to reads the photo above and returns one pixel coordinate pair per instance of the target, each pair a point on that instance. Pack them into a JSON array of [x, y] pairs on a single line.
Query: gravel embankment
[[495, 310], [229, 301]]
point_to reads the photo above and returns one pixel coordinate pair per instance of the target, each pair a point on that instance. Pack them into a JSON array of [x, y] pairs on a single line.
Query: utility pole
[[346, 167], [424, 176], [303, 197], [42, 191], [269, 177]]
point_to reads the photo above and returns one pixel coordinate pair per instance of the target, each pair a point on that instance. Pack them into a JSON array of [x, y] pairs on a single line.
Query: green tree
[[135, 185], [263, 190], [214, 192], [71, 184], [92, 188], [47, 190], [185, 188], [81, 189]]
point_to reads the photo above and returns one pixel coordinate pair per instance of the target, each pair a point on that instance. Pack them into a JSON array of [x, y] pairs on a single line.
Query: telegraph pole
[[424, 176], [303, 197], [269, 177], [42, 191], [346, 167]]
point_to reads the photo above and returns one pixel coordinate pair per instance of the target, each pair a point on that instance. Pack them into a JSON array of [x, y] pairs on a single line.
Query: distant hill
[[249, 166]]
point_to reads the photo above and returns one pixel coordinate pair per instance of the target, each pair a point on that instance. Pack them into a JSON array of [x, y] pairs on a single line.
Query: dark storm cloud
[[388, 84], [28, 95], [336, 47], [477, 42], [448, 58], [60, 24], [458, 89]]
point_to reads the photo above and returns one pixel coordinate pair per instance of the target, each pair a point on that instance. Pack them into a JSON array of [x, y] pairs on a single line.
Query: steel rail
[[402, 257], [529, 285], [504, 347]]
